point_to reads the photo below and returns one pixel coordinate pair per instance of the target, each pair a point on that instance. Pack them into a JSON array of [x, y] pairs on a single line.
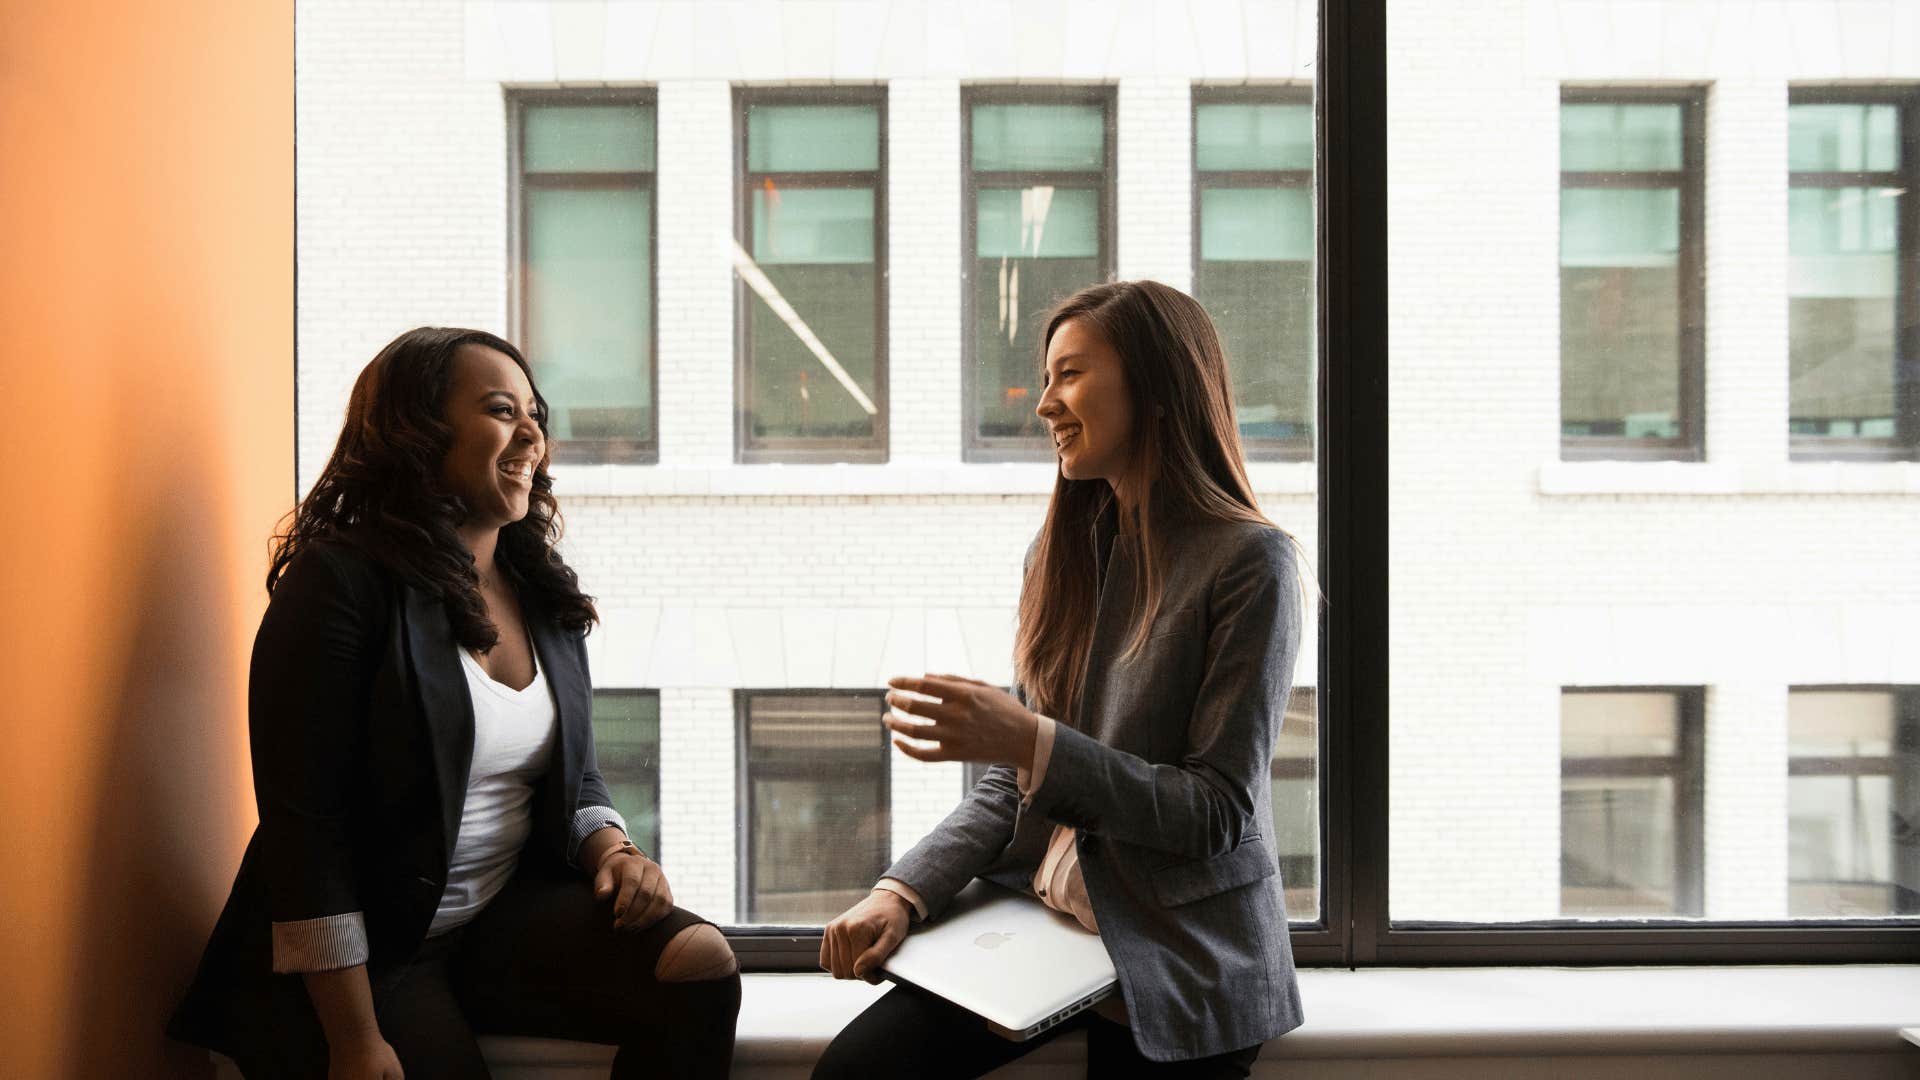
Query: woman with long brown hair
[[1159, 622], [437, 852]]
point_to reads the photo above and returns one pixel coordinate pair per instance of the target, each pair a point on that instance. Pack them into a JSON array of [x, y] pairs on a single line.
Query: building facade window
[[1253, 262], [811, 283], [1296, 805], [1853, 276], [1853, 802], [626, 741], [583, 263], [1039, 227], [1631, 792], [1632, 347], [813, 802]]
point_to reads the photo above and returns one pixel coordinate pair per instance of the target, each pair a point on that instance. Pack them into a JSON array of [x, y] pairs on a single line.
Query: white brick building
[[1515, 574]]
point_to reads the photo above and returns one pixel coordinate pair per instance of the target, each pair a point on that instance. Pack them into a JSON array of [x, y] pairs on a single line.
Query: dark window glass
[[1296, 805], [1038, 206], [1853, 801], [1630, 818], [586, 272], [1253, 266], [1629, 301], [815, 798], [1846, 314], [626, 740], [812, 278]]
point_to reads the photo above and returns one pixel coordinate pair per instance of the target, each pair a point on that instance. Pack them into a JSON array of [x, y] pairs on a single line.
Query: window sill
[[1415, 1013], [892, 478], [1577, 478]]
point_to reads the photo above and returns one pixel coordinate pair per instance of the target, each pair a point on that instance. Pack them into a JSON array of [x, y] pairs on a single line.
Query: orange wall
[[146, 317]]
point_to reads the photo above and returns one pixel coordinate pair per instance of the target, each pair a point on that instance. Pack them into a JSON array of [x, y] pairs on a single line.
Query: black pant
[[543, 959], [911, 1033]]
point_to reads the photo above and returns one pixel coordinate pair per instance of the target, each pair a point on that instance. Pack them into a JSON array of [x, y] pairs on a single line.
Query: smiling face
[[497, 442], [1086, 405]]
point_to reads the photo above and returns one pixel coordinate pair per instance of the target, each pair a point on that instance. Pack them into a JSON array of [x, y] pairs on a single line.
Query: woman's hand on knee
[[639, 890], [860, 940]]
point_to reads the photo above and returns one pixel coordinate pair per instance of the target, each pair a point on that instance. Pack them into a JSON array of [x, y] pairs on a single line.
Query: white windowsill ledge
[[1414, 1013], [1711, 478], [905, 477]]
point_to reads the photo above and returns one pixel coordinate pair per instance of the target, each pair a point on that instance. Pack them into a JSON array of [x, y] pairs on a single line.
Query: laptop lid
[[1007, 957]]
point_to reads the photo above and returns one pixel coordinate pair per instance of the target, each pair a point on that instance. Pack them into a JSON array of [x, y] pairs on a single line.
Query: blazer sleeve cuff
[[589, 820], [1030, 780], [905, 892], [323, 944]]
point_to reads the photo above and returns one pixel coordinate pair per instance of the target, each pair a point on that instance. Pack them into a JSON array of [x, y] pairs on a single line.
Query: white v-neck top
[[513, 733]]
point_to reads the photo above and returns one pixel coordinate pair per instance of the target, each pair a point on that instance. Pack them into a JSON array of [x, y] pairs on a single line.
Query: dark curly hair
[[381, 493]]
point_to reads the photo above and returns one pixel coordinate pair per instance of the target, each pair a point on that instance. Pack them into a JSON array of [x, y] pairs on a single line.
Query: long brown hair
[[381, 492], [1185, 453]]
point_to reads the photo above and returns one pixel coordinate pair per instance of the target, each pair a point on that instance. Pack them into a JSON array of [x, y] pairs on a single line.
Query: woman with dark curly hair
[[437, 853]]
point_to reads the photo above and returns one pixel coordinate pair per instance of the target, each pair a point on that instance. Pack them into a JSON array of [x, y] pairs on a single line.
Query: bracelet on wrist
[[624, 845]]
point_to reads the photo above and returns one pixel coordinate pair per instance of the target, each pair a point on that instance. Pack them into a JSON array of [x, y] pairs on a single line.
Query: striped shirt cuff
[[589, 820], [323, 944]]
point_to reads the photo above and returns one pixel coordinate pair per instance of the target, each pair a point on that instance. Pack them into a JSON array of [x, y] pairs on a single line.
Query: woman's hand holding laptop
[[860, 940]]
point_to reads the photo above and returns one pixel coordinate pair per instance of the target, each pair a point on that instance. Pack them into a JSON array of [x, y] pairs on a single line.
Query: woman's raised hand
[[971, 721], [860, 940]]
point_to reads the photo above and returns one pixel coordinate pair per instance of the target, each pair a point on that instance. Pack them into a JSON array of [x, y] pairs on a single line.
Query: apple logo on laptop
[[992, 941]]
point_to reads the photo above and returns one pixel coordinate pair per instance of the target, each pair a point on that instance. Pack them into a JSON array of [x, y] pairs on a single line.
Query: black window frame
[[1904, 859], [1690, 180], [748, 450], [778, 940], [1298, 449], [644, 448], [652, 848], [1904, 445], [1686, 767], [974, 447], [1353, 535]]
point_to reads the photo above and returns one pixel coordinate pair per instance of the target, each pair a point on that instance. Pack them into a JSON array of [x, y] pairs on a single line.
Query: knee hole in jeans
[[696, 954]]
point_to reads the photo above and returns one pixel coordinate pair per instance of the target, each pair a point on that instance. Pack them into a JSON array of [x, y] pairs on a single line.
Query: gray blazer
[[1163, 771]]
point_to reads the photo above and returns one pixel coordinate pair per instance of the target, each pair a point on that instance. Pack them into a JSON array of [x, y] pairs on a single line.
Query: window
[[584, 281], [1853, 282], [1253, 256], [1296, 805], [814, 798], [626, 738], [812, 275], [1853, 797], [1631, 308], [1630, 803], [1039, 212]]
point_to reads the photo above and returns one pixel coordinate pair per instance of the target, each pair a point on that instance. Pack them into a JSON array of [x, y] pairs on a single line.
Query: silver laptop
[[1007, 957]]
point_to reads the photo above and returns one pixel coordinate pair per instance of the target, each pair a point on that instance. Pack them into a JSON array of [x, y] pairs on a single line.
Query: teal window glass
[[1620, 138], [1036, 246], [1039, 138], [817, 831], [626, 741], [1843, 138], [587, 209], [1259, 136], [588, 138], [813, 346]]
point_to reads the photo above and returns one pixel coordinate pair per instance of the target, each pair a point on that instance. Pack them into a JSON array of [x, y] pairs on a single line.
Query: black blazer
[[361, 730]]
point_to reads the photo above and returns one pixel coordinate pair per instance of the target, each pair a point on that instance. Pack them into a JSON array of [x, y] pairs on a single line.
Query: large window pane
[[1853, 798], [626, 738], [586, 272], [1037, 206], [1296, 805], [1844, 279], [812, 366], [816, 804]]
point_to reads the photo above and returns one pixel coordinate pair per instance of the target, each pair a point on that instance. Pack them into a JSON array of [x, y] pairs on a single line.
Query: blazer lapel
[[444, 703], [572, 699]]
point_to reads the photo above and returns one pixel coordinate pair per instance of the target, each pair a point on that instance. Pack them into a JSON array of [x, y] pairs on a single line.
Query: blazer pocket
[[1197, 879]]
